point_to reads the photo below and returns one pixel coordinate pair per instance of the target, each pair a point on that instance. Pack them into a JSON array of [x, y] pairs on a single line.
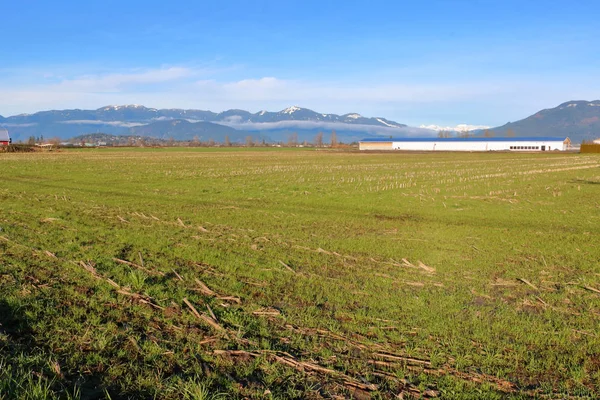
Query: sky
[[415, 62]]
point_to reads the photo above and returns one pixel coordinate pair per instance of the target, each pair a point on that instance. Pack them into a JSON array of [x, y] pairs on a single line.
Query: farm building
[[467, 144], [4, 138]]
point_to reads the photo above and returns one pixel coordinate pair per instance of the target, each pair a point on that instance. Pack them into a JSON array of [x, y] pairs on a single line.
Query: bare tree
[[55, 141], [319, 139], [293, 140], [171, 141], [510, 133], [196, 141], [334, 141], [211, 142], [443, 134], [488, 133], [227, 141], [249, 141]]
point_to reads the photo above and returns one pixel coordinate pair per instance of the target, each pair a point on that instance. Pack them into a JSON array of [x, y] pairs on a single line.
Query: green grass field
[[189, 273]]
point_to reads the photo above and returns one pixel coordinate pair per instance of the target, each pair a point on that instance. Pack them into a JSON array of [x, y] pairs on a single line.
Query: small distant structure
[[46, 146], [5, 139], [467, 144]]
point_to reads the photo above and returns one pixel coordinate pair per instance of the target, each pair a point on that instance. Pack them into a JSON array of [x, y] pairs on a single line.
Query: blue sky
[[428, 62]]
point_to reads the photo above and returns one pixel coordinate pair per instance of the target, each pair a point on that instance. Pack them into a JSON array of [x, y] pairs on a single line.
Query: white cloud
[[97, 122], [18, 125], [292, 92], [327, 126], [178, 87], [91, 91], [120, 81], [443, 103], [232, 119]]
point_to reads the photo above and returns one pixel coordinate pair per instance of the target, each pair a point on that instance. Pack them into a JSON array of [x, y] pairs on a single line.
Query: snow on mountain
[[117, 119], [291, 110], [457, 128], [385, 123], [353, 116], [127, 107]]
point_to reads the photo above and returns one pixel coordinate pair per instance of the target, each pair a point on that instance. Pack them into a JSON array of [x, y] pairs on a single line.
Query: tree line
[[488, 133], [319, 140]]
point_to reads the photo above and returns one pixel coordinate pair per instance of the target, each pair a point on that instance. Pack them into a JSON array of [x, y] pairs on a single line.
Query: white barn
[[467, 144]]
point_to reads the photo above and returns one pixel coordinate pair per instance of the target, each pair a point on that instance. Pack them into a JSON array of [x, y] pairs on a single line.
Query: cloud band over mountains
[[327, 126]]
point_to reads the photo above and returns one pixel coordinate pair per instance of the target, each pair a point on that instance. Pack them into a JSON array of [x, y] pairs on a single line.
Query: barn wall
[[375, 146]]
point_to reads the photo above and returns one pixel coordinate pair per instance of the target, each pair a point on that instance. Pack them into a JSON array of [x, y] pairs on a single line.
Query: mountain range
[[182, 124], [579, 120]]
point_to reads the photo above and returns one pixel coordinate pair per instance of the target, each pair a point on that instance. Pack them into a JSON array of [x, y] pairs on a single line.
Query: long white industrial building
[[467, 144]]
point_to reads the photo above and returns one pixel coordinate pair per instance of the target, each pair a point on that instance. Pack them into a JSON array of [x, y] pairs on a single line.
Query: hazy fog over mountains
[[182, 124]]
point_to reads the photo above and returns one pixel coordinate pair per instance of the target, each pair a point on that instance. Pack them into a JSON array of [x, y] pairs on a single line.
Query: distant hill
[[185, 124], [579, 120], [180, 129]]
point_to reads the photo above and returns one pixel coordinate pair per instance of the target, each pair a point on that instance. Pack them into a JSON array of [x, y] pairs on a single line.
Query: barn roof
[[470, 139], [4, 135]]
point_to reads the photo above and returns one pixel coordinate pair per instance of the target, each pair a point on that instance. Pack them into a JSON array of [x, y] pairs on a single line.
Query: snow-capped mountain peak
[[457, 128], [109, 108], [291, 110], [127, 107], [353, 116]]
